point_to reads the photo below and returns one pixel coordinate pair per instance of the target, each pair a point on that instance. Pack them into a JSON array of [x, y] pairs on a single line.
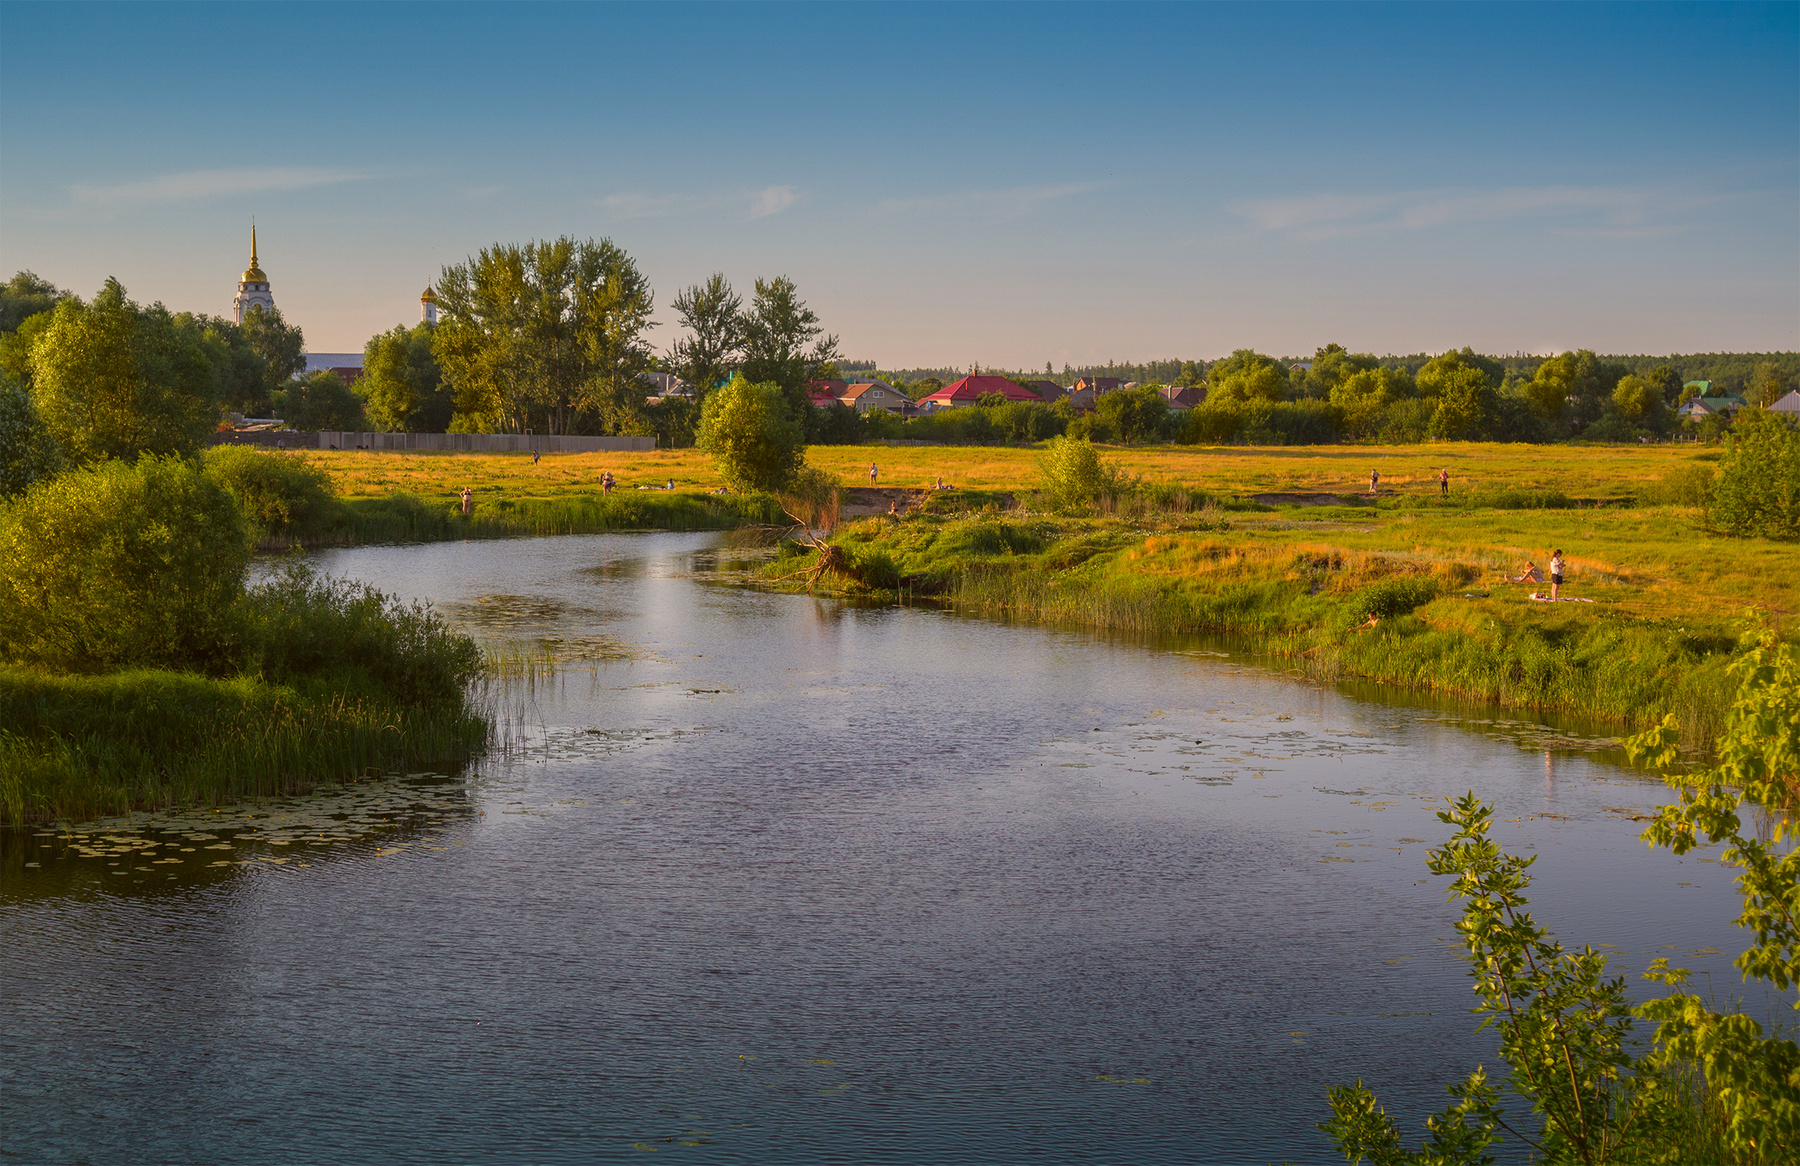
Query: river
[[771, 878]]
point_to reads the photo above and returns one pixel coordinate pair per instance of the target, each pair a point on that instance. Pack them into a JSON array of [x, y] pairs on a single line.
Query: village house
[[1789, 404], [1098, 384], [972, 388], [1183, 396], [1048, 390], [876, 396], [825, 394], [1703, 407]]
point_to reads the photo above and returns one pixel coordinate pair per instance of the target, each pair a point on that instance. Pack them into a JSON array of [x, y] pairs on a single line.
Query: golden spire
[[255, 272]]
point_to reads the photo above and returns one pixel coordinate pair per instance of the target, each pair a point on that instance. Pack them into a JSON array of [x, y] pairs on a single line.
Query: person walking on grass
[[468, 501], [1444, 482], [1556, 573]]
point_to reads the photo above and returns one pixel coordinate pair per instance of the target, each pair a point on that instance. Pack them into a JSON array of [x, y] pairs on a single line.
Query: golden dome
[[430, 297], [253, 274]]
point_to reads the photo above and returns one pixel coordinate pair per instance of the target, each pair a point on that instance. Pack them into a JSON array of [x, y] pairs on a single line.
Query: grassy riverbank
[[1667, 598]]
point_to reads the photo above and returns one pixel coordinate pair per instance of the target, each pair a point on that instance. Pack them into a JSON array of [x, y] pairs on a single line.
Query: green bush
[[1071, 474], [873, 567], [302, 629], [115, 564], [1758, 489], [279, 492], [747, 430], [1391, 597]]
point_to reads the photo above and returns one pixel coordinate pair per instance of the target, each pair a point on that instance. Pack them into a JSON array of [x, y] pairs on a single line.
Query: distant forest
[[1729, 371]]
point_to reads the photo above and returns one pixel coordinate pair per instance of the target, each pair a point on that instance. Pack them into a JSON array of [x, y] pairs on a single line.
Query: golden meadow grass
[[1578, 471]]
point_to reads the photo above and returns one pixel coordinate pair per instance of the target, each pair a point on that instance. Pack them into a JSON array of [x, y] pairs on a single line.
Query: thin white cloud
[[751, 204], [1009, 203], [1623, 210], [205, 184], [773, 200]]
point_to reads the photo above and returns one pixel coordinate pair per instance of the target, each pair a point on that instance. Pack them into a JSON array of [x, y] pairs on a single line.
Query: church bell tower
[[428, 307], [253, 287]]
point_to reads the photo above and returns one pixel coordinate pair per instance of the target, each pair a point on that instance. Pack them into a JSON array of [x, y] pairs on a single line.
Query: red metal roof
[[969, 388]]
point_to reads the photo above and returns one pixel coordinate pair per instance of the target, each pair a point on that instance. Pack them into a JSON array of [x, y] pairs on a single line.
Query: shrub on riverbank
[[113, 565], [281, 493], [327, 679]]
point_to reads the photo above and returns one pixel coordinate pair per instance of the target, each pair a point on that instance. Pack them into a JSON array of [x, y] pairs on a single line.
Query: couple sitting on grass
[[1531, 574]]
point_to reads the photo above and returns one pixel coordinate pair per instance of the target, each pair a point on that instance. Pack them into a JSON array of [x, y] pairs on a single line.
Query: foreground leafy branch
[[1711, 1087]]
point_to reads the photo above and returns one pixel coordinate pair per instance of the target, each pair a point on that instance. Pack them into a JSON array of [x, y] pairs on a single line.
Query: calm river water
[[767, 878]]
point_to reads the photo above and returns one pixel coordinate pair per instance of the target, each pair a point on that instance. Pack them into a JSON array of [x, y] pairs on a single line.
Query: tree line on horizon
[[554, 337]]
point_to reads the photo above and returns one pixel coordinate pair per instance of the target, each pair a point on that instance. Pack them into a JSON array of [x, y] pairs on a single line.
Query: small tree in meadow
[[1757, 492], [1071, 474], [753, 440]]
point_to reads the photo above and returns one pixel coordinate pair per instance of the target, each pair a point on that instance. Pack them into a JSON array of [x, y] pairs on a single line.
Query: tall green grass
[[404, 518], [82, 747]]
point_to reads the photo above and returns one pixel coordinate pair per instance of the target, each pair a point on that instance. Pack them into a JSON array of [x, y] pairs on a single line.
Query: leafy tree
[[1667, 383], [1640, 401], [24, 296], [548, 335], [1768, 385], [281, 346], [1757, 492], [1577, 383], [752, 436], [782, 342], [15, 346], [118, 565], [1363, 397], [253, 359], [112, 379], [322, 401], [1463, 385], [402, 383], [1246, 375], [711, 312], [1332, 365], [28, 452], [1135, 415]]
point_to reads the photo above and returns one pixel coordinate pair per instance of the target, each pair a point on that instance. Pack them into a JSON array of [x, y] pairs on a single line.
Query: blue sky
[[1009, 184]]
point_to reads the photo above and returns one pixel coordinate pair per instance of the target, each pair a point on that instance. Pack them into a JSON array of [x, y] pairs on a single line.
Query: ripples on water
[[765, 878]]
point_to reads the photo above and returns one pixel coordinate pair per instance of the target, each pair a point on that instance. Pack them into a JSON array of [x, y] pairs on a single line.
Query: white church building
[[253, 295]]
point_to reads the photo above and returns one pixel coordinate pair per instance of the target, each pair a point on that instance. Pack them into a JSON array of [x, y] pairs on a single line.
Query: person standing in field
[[468, 501], [1444, 482], [534, 457], [1556, 573], [872, 474], [1374, 480], [606, 482]]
